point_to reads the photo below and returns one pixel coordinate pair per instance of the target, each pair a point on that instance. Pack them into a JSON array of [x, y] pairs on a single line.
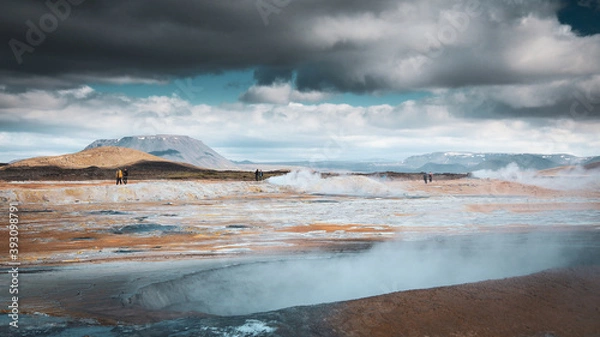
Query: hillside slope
[[103, 157], [171, 147]]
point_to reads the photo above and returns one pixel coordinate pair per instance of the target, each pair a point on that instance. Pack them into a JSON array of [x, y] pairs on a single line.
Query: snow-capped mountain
[[472, 161], [172, 147], [455, 162]]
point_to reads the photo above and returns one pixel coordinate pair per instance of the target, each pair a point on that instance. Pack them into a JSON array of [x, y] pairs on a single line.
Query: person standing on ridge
[[119, 176], [425, 177], [256, 174], [126, 174], [430, 176]]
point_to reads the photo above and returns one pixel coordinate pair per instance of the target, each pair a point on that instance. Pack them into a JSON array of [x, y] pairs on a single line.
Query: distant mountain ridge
[[172, 147], [593, 160], [474, 161], [456, 162], [460, 162]]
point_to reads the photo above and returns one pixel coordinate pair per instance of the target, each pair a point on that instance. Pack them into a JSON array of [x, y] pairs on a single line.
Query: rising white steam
[[270, 285], [306, 181], [573, 178]]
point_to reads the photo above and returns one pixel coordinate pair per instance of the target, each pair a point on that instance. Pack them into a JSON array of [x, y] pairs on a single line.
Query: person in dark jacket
[[425, 177], [125, 175]]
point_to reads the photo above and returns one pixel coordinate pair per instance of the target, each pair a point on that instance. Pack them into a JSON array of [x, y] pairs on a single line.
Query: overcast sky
[[284, 80]]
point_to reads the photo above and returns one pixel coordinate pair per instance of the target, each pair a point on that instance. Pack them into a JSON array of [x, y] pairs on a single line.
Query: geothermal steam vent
[[268, 285]]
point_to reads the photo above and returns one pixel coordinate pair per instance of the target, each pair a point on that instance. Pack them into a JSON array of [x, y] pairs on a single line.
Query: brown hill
[[592, 166], [556, 171], [570, 170], [102, 157], [142, 170]]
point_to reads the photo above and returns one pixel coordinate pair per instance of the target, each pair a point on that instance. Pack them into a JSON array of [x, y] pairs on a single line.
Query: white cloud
[[280, 93], [121, 80], [365, 28], [338, 46], [293, 131], [22, 145], [544, 47], [441, 44], [80, 93]]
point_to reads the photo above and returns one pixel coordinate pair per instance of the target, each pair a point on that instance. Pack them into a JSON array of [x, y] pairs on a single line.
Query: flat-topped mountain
[[172, 147]]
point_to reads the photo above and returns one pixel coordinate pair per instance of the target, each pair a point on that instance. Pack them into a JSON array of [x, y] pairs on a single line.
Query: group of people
[[258, 175], [428, 176], [122, 176]]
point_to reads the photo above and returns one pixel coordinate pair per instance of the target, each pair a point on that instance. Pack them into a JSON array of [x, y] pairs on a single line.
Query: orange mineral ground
[[450, 258]]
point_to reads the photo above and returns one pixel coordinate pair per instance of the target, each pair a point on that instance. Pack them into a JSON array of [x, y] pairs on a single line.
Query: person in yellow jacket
[[119, 176]]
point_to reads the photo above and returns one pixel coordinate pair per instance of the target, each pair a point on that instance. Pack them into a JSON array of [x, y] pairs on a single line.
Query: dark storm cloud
[[314, 46], [571, 109], [270, 75], [156, 39]]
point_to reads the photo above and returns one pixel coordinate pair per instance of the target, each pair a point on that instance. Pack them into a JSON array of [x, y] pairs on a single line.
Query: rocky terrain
[[194, 252]]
